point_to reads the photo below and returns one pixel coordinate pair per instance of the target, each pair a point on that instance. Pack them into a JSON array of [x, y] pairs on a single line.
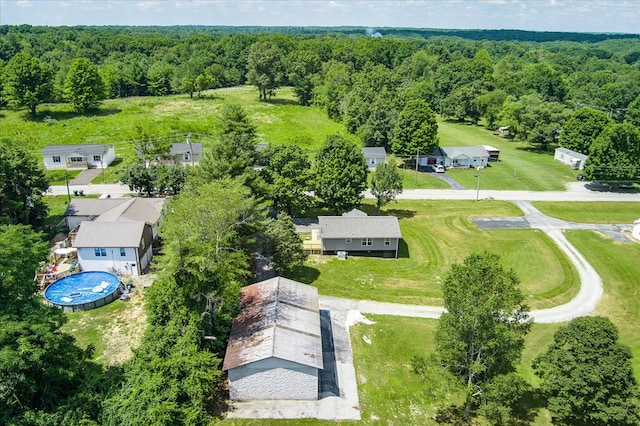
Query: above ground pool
[[84, 290]]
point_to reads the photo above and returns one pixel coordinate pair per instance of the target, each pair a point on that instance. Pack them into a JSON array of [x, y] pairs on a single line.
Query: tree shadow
[[281, 101], [525, 412], [49, 116], [401, 213], [304, 274]]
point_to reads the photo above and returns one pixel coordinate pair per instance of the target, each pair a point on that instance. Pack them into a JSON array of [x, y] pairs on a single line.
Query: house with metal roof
[[114, 235], [275, 347], [357, 233], [77, 157], [570, 158], [186, 154], [374, 155]]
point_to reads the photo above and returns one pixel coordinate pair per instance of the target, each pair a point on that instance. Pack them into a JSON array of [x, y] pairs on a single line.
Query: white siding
[[107, 159], [273, 379], [112, 262]]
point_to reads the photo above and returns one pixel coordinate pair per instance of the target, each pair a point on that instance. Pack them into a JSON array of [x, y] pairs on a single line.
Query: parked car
[[439, 168]]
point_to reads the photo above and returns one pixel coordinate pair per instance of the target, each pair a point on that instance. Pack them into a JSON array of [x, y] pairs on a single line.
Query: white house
[[114, 235], [570, 158], [275, 347], [124, 248], [77, 157], [636, 230], [186, 154], [374, 155], [458, 157]]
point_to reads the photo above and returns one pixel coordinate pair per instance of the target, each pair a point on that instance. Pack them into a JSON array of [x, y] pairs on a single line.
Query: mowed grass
[[279, 121], [520, 167], [437, 234], [591, 212], [619, 267]]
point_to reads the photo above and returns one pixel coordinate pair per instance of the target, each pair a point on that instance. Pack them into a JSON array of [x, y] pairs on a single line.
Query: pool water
[[84, 290]]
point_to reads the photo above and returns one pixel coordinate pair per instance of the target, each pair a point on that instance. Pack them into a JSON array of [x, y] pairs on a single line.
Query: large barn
[[275, 347]]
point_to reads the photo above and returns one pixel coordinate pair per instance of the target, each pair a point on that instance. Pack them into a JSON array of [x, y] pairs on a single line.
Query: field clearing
[[115, 329], [279, 121], [436, 235]]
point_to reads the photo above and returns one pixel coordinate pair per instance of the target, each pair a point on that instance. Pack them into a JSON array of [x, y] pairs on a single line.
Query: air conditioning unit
[[342, 255]]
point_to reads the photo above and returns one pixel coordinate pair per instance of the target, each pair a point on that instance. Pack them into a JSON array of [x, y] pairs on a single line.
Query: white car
[[439, 168]]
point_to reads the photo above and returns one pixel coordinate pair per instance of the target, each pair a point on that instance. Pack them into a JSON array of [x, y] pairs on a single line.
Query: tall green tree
[[587, 375], [289, 175], [84, 87], [340, 174], [302, 69], [22, 185], [481, 334], [582, 128], [615, 154], [633, 112], [27, 82], [138, 177], [265, 68], [416, 129], [386, 183], [284, 245], [234, 120]]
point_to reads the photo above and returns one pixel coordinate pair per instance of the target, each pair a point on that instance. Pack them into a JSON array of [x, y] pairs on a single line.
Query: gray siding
[[273, 379], [341, 244]]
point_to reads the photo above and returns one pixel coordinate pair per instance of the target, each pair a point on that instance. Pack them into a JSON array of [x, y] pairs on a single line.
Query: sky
[[621, 16]]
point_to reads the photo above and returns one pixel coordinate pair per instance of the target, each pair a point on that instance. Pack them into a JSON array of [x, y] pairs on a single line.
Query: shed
[[374, 155], [570, 158], [275, 347], [493, 152]]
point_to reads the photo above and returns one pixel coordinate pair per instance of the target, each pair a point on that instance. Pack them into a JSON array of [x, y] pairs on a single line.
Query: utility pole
[[190, 147], [66, 179], [417, 161], [478, 185]]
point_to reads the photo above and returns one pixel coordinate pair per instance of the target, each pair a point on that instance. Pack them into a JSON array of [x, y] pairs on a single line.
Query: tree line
[[542, 91]]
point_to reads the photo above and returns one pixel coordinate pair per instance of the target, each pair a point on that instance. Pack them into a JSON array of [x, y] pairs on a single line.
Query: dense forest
[[581, 91]]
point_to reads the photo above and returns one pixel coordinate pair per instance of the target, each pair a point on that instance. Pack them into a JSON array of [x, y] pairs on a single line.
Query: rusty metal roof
[[280, 318]]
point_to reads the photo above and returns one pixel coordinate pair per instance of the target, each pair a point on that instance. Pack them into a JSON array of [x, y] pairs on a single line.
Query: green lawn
[[279, 121], [589, 212], [437, 234], [520, 167], [114, 329]]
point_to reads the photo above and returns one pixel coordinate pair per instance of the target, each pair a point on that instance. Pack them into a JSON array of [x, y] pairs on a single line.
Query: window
[[100, 252], [123, 251], [387, 241], [186, 156], [367, 241], [56, 159], [347, 240], [76, 159], [97, 158], [372, 161]]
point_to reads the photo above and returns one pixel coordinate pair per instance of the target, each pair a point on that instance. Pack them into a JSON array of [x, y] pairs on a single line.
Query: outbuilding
[[374, 155], [275, 347], [570, 158]]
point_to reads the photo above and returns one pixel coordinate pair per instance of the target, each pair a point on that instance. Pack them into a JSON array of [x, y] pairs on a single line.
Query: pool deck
[[62, 269]]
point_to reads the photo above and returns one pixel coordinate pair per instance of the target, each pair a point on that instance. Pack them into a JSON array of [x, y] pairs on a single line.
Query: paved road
[[576, 191]]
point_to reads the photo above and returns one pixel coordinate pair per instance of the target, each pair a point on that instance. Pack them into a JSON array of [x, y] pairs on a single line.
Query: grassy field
[[279, 121], [587, 212], [114, 329], [435, 235]]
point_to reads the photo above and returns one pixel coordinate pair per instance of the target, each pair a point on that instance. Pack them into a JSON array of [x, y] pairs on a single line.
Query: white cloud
[[24, 3]]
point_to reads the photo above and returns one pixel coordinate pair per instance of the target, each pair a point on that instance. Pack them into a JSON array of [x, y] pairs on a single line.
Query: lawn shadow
[[403, 249], [304, 274], [49, 117], [401, 213], [281, 101], [526, 410]]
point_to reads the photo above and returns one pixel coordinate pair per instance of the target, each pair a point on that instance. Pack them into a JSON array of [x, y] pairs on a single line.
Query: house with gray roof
[[186, 154], [275, 347], [356, 233], [114, 235], [459, 157], [77, 157], [374, 155]]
